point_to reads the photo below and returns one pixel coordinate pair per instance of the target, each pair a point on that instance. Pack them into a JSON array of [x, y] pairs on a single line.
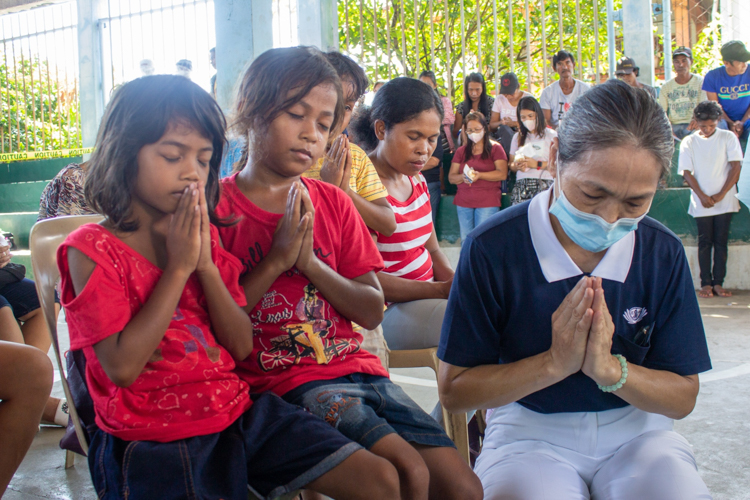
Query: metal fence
[[39, 61], [162, 32], [456, 37], [39, 54], [39, 80]]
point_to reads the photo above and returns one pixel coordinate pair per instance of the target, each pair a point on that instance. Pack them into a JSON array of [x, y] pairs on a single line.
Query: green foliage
[[39, 112], [448, 65], [706, 51]]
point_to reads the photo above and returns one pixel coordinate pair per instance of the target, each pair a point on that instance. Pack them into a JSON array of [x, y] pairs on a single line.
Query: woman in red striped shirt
[[400, 130]]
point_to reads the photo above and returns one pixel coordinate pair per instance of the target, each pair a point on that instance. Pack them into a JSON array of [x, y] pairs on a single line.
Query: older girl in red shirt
[[310, 268], [154, 302]]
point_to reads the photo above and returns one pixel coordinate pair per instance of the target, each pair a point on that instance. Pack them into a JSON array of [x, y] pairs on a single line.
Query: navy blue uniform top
[[501, 303]]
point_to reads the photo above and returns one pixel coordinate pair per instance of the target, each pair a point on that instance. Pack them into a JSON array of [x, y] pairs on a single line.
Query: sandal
[[706, 292]]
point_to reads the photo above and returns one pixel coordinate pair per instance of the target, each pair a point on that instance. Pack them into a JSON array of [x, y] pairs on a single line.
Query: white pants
[[623, 454]]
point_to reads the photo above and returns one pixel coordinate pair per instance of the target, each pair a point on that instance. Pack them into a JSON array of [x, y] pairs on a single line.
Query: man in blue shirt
[[730, 87]]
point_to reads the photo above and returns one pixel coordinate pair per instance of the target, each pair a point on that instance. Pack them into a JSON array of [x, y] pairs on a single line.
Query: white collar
[[555, 262]]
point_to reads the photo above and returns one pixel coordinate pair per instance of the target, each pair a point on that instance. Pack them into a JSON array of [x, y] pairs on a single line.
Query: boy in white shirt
[[710, 163]]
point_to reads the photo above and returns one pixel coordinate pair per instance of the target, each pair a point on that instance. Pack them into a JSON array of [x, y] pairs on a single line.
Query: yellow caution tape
[[43, 155]]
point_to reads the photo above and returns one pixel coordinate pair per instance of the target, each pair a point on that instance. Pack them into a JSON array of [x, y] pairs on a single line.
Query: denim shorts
[[366, 408], [275, 447], [21, 297]]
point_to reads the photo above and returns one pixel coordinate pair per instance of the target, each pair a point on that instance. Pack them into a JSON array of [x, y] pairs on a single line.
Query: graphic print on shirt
[[307, 332], [634, 314], [181, 350], [564, 107]]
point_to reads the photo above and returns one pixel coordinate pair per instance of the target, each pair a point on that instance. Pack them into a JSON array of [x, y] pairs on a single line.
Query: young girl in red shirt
[[310, 264], [153, 300]]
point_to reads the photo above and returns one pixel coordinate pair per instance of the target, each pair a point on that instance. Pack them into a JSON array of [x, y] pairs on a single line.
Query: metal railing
[[160, 31], [39, 79], [454, 38]]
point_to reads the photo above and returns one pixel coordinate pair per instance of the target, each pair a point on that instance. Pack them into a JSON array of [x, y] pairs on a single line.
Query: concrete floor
[[719, 428]]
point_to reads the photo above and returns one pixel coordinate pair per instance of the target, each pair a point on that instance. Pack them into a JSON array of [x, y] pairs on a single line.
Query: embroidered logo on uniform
[[635, 314]]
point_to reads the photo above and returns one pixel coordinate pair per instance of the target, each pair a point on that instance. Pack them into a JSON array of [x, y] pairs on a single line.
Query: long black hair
[[529, 103], [484, 106], [399, 100], [139, 114], [275, 81], [348, 69]]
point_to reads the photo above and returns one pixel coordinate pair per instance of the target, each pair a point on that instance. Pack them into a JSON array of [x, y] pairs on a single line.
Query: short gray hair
[[611, 115]]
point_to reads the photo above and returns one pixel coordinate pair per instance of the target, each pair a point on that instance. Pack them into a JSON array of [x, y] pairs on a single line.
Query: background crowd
[[383, 172]]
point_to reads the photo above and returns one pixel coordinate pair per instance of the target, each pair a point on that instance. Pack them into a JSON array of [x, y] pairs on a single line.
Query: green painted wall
[[670, 208], [20, 225], [21, 186], [22, 183], [35, 170], [21, 196]]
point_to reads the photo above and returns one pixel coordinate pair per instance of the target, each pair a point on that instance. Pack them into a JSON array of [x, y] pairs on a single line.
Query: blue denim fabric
[[469, 218], [366, 408], [232, 154], [743, 137], [275, 447], [435, 195], [680, 130], [21, 297]]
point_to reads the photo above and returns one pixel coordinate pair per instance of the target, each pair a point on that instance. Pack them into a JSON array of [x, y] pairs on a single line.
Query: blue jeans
[[469, 218], [435, 193], [366, 408], [680, 130], [21, 297], [275, 447]]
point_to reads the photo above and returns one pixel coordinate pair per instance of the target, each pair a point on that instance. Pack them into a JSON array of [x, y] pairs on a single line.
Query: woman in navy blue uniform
[[581, 330]]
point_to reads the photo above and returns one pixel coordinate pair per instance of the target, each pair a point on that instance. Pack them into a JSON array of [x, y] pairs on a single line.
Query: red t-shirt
[[188, 388], [404, 252], [299, 336], [481, 193]]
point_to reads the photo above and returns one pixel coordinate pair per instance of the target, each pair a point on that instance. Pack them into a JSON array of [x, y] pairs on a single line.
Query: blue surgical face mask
[[589, 231]]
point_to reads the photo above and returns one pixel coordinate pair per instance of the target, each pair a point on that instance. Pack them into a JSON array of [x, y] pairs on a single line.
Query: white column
[[244, 30], [317, 24], [91, 93], [638, 35]]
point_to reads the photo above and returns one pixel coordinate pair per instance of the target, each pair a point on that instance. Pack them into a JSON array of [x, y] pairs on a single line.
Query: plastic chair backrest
[[46, 236]]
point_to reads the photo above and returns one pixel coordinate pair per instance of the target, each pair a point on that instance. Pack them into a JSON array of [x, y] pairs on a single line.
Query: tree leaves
[[449, 70], [38, 111]]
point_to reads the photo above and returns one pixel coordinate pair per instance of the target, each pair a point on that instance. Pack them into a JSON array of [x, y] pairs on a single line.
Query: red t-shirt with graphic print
[[298, 336], [188, 388]]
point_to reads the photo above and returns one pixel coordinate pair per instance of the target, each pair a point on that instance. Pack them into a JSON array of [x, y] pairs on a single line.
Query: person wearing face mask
[[577, 322], [557, 99], [529, 152], [478, 168]]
